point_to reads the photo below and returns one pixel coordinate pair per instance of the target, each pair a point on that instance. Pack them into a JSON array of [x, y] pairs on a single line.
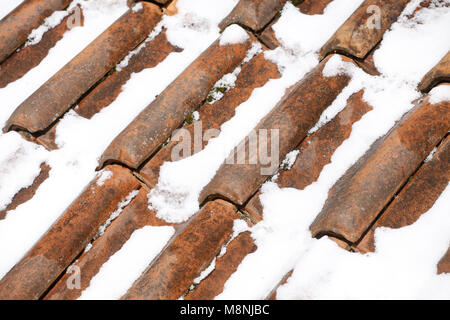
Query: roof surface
[[354, 97]]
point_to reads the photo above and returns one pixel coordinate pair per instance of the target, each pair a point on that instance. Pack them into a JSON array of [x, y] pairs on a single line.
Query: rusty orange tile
[[70, 234], [440, 73], [47, 140], [416, 198], [360, 33], [313, 6], [293, 116], [254, 74], [273, 294], [226, 265], [17, 25], [26, 194], [316, 150], [368, 63], [107, 91], [19, 63], [192, 251], [356, 200], [253, 14], [171, 8], [135, 216], [61, 91], [444, 264], [154, 125]]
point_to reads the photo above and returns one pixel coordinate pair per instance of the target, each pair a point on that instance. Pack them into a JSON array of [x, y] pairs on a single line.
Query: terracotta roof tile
[[355, 38], [28, 57], [294, 115], [391, 185], [133, 217], [316, 151], [358, 197], [172, 273], [440, 73], [254, 74], [416, 198], [15, 28], [60, 92], [225, 266], [103, 94], [253, 14]]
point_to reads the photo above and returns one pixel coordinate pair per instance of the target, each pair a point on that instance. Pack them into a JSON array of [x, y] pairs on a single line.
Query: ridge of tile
[[61, 91], [17, 25], [102, 95], [365, 28], [358, 197], [439, 73], [253, 14], [416, 198], [22, 61]]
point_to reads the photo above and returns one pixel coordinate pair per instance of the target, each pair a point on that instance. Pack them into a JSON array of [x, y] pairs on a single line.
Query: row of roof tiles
[[374, 192]]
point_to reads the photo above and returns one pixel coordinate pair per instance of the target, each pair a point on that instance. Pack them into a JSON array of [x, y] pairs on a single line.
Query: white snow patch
[[49, 23], [8, 6], [88, 247], [205, 272], [103, 176], [403, 266], [424, 36], [303, 33], [116, 213], [137, 7], [195, 26], [431, 155], [440, 94], [196, 115], [118, 274], [153, 34], [233, 34], [20, 163], [289, 161]]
